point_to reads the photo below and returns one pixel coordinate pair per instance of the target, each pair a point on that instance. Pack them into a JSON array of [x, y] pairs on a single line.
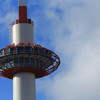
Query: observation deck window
[[12, 62], [3, 67], [7, 51], [1, 70], [0, 65], [0, 53], [36, 48], [28, 48], [20, 49], [20, 61], [32, 61], [27, 61], [15, 62], [8, 65], [40, 50], [39, 63], [12, 50], [42, 64], [46, 52]]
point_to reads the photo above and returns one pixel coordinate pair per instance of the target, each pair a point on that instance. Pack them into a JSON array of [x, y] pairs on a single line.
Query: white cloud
[[8, 14], [75, 35]]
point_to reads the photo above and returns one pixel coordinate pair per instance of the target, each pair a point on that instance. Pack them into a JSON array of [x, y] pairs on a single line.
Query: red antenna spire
[[22, 9]]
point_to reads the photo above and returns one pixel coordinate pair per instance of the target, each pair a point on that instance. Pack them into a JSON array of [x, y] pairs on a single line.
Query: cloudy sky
[[72, 30]]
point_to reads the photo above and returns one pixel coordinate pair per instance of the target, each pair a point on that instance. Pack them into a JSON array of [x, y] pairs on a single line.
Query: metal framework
[[27, 58]]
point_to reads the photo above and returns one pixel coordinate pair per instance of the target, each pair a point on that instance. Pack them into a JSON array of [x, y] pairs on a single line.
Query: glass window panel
[[15, 62], [33, 62], [28, 48], [20, 48], [21, 61], [27, 61], [12, 50]]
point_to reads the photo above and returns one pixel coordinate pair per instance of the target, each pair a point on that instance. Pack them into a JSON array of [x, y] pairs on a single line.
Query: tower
[[23, 61]]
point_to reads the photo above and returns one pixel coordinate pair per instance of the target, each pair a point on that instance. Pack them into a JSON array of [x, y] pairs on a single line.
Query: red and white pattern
[[22, 9]]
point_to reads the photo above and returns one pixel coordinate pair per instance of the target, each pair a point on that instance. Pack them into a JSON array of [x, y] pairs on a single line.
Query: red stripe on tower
[[22, 10]]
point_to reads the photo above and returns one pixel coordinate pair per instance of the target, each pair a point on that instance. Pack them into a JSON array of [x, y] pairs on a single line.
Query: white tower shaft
[[24, 86], [22, 32]]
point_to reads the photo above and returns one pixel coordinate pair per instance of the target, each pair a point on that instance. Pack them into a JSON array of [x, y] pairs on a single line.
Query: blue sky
[[71, 28]]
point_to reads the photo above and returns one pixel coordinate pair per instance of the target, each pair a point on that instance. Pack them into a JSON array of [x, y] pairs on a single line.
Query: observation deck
[[27, 58]]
